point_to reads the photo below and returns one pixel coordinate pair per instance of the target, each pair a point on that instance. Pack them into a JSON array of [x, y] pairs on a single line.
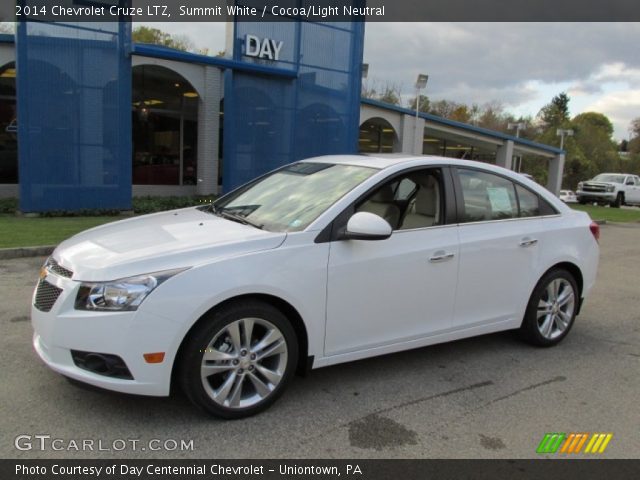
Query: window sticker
[[500, 201]]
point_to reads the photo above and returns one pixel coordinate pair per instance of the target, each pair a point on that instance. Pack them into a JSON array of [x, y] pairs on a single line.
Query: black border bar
[[326, 10], [545, 468]]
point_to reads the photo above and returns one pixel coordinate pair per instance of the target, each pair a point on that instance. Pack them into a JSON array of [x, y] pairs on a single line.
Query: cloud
[[621, 107], [517, 64]]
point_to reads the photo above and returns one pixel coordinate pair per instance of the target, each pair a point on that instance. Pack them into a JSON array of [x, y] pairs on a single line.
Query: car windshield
[[608, 177], [289, 199]]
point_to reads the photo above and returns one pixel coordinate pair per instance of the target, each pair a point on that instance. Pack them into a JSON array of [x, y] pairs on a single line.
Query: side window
[[405, 189], [529, 202], [412, 200], [486, 196]]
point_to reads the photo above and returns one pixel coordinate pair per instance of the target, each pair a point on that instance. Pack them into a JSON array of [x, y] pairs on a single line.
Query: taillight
[[595, 231]]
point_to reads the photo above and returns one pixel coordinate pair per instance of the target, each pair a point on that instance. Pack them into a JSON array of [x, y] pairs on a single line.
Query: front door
[[402, 288]]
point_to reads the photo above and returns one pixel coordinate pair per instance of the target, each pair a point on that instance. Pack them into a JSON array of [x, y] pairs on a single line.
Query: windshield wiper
[[221, 212]]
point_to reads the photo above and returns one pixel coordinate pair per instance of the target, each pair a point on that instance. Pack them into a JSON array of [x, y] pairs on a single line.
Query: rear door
[[500, 233]]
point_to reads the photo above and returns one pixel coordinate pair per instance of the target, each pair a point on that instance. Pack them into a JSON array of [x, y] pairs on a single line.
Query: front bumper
[[126, 334], [596, 196]]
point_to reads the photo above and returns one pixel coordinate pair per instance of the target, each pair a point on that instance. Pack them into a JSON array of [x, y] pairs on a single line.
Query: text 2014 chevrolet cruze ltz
[[320, 262]]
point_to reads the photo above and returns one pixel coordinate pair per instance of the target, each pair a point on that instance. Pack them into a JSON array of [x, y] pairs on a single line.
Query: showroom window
[[165, 127], [377, 136], [8, 125]]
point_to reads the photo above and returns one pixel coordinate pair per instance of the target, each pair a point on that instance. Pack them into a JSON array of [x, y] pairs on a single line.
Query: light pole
[[517, 126], [561, 132], [421, 84]]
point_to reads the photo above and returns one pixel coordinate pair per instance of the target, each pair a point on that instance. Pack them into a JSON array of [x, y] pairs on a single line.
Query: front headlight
[[125, 294], [611, 188]]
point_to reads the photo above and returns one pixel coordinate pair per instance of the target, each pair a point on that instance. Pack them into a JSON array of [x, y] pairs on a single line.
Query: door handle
[[441, 256], [528, 242]]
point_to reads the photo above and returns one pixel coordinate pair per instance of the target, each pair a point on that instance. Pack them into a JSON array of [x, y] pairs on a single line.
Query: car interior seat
[[424, 210], [381, 203]]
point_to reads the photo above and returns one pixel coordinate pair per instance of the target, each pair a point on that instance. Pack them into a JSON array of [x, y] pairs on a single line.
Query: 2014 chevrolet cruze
[[320, 262]]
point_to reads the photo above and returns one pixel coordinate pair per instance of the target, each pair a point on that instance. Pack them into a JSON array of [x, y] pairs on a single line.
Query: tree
[[635, 127], [444, 108], [425, 104], [493, 117], [390, 94], [556, 113], [387, 93], [634, 130], [155, 36], [593, 135], [624, 145]]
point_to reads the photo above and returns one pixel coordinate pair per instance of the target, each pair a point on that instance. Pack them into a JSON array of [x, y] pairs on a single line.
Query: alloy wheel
[[555, 308], [244, 363]]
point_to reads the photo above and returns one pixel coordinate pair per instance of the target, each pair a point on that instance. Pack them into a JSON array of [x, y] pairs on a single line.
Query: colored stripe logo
[[574, 443]]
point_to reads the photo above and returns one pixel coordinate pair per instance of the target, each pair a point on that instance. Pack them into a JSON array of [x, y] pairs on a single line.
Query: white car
[[614, 189], [320, 262], [568, 196]]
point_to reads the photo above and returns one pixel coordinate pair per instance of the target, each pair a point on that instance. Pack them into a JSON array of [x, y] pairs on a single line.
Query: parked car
[[323, 261], [568, 196], [615, 189]]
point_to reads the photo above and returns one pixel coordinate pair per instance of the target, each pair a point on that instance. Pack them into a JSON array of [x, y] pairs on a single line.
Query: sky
[[520, 65]]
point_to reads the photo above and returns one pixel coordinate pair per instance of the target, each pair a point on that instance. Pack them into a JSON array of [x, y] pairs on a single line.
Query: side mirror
[[367, 226]]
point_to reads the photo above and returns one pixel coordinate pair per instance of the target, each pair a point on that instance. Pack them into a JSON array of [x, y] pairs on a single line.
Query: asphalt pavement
[[487, 397]]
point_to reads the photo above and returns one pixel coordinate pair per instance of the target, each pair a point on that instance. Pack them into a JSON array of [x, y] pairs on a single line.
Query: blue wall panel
[[74, 116], [273, 121]]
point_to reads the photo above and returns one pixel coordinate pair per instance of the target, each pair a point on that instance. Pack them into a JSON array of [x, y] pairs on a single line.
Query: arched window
[[165, 127], [377, 136]]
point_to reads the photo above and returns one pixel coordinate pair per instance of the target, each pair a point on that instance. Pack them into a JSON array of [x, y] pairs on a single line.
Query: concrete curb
[[7, 253]]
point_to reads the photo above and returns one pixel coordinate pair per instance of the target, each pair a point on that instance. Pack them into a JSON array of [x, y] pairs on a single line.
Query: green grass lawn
[[28, 232], [610, 214]]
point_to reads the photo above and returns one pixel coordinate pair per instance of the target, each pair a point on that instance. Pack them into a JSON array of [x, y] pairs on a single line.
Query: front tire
[[552, 309], [619, 201], [239, 359]]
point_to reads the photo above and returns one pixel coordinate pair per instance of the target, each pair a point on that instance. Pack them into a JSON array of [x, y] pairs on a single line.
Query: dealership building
[[88, 119]]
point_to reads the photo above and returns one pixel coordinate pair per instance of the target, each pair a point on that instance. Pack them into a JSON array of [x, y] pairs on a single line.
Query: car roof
[[379, 161], [383, 161]]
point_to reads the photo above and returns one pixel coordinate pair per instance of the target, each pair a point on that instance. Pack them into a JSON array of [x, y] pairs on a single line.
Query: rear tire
[[551, 310], [239, 359]]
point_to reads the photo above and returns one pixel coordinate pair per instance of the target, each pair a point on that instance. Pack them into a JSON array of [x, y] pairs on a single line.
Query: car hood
[[591, 183], [156, 242]]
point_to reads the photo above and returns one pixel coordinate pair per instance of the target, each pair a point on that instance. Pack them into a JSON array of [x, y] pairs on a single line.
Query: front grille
[[59, 269], [594, 188], [46, 296]]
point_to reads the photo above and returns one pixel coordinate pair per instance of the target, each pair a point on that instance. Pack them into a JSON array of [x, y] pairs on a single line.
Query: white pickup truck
[[615, 189]]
